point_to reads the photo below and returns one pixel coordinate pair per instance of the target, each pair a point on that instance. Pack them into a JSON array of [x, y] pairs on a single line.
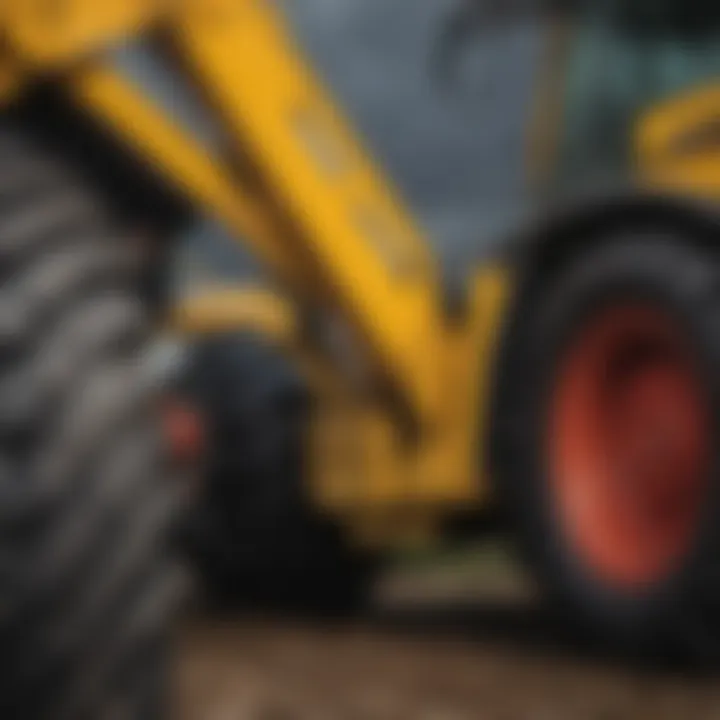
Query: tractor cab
[[629, 83]]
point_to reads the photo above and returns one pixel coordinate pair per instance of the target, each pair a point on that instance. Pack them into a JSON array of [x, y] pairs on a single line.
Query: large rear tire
[[85, 502], [608, 413], [255, 537]]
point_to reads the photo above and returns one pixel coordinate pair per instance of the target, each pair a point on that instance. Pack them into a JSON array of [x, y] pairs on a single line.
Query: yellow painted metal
[[362, 464], [470, 353], [350, 228], [678, 144], [186, 164], [223, 310], [46, 34]]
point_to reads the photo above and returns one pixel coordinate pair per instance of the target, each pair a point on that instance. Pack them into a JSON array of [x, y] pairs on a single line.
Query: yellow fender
[[678, 144], [223, 310]]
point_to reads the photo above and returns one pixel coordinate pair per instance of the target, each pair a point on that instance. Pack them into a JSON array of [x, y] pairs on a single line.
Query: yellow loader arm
[[294, 183]]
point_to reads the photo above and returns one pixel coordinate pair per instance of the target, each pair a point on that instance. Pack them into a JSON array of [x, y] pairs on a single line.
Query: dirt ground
[[447, 658], [254, 670]]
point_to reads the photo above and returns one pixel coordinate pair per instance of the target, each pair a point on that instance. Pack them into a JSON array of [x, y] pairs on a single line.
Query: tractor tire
[[254, 537], [605, 439], [85, 503]]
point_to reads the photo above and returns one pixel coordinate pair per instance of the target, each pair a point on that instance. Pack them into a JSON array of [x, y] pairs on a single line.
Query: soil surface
[[455, 658]]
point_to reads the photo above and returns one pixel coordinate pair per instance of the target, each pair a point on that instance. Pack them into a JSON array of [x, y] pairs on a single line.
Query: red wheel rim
[[629, 440]]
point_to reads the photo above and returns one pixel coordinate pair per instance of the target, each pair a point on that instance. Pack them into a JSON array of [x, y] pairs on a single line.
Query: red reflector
[[184, 431]]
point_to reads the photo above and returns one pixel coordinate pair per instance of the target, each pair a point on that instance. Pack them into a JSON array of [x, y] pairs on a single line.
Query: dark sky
[[456, 152]]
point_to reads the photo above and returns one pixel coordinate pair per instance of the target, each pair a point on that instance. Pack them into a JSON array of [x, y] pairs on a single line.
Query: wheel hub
[[628, 445]]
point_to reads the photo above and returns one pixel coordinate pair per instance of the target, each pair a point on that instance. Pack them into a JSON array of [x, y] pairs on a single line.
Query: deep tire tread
[[85, 500]]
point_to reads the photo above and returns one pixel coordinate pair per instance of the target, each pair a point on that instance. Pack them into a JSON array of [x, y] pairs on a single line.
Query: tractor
[[570, 378], [569, 386]]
